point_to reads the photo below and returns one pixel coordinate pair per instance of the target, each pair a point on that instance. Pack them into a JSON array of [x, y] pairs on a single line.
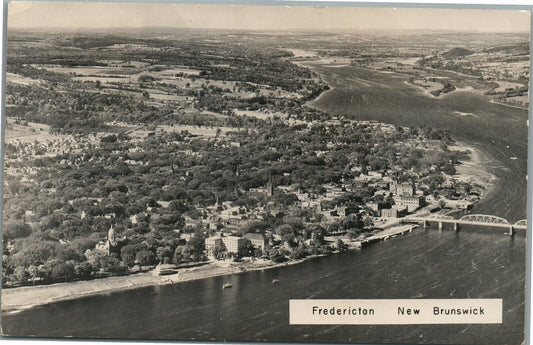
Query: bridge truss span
[[521, 224], [484, 218]]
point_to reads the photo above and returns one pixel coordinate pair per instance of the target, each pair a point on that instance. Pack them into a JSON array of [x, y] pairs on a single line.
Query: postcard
[[215, 172]]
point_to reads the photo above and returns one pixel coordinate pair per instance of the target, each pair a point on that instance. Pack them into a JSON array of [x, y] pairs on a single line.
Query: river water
[[473, 263]]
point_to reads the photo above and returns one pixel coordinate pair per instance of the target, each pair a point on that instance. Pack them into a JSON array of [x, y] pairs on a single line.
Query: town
[[272, 208], [182, 153]]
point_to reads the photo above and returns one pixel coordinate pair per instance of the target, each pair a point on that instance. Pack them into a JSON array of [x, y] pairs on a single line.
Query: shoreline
[[475, 170], [17, 299]]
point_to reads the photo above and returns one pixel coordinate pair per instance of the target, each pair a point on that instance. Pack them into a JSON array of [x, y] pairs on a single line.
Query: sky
[[28, 14]]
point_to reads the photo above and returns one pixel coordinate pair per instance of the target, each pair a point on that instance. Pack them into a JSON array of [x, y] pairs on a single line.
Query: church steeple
[[111, 236], [270, 185]]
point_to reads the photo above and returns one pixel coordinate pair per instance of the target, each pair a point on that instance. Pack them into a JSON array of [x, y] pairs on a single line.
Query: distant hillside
[[522, 48], [456, 52]]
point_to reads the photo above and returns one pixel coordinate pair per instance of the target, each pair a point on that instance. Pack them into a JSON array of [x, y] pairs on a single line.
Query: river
[[473, 263]]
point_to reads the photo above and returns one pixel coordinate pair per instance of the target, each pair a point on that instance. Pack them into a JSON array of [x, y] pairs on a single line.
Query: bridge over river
[[471, 219]]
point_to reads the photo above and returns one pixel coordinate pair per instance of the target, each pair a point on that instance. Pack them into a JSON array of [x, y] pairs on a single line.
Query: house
[[377, 207], [186, 236], [258, 240]]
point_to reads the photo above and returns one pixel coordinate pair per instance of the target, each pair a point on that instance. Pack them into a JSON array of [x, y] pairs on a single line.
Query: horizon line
[[74, 27]]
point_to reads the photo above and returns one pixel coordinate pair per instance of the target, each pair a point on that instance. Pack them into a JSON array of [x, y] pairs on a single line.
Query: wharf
[[388, 233]]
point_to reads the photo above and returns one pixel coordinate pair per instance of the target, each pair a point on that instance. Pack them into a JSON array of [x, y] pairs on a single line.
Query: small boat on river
[[226, 286]]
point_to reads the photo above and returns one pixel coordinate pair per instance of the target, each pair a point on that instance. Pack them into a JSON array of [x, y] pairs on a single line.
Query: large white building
[[412, 203], [232, 244]]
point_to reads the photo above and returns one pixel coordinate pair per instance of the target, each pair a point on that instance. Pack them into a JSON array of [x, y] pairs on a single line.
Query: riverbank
[[474, 170], [21, 298]]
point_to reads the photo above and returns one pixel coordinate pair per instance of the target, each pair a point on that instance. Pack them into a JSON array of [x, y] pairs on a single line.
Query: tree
[[145, 258], [112, 264], [340, 245], [299, 252], [276, 255], [84, 270], [286, 232], [33, 272], [353, 233], [21, 274], [247, 248], [368, 222], [16, 229], [63, 271], [449, 169], [129, 252], [183, 254], [163, 254], [109, 139], [220, 250], [66, 253], [197, 242]]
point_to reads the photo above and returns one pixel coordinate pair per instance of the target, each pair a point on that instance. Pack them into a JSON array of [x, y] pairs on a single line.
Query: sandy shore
[[474, 170]]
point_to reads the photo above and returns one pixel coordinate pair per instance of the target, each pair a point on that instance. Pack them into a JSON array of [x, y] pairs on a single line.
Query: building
[[211, 243], [337, 213], [412, 202], [377, 207], [395, 212], [232, 244], [402, 189], [258, 240], [112, 244], [270, 188]]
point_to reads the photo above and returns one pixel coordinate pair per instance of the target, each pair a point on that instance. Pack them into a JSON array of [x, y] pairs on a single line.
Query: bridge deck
[[466, 222]]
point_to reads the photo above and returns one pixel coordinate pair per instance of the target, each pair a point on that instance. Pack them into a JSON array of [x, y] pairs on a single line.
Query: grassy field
[[31, 132], [18, 79]]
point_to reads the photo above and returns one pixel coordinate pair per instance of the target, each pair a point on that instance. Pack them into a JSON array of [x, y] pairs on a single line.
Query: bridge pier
[[456, 226], [425, 223], [511, 230], [440, 225]]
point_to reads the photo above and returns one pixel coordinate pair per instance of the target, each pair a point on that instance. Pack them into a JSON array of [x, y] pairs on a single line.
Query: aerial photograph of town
[[180, 172]]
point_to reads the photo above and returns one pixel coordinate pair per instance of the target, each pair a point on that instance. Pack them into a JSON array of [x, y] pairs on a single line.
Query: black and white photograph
[[265, 173]]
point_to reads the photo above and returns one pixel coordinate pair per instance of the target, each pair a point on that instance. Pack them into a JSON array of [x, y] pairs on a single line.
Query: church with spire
[[112, 244]]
